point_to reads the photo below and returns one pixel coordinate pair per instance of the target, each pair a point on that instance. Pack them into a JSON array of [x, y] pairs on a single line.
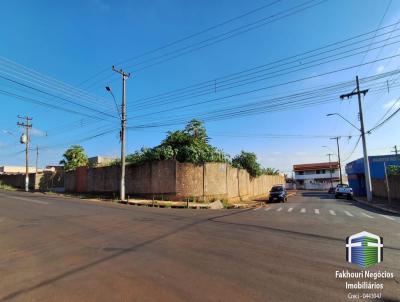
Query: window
[[318, 172]]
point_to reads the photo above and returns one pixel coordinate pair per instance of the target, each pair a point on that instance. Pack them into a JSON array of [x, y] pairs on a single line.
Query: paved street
[[58, 249]]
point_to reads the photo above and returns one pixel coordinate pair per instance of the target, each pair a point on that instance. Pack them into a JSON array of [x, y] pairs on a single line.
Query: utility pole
[[330, 167], [358, 92], [25, 140], [37, 157], [395, 150], [387, 184], [338, 154], [125, 76]]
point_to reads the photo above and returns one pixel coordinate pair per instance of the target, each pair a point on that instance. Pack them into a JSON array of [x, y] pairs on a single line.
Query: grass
[[6, 187]]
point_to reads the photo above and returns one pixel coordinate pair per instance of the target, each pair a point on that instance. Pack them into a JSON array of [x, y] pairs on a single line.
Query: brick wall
[[173, 180]]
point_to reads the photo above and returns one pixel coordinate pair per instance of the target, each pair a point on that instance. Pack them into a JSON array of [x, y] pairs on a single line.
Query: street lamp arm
[[345, 119], [115, 102]]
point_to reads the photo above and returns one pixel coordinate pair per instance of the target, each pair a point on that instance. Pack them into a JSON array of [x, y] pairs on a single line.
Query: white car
[[343, 190]]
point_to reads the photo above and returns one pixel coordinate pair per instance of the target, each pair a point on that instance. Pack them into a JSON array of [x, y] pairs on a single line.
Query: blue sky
[[70, 42]]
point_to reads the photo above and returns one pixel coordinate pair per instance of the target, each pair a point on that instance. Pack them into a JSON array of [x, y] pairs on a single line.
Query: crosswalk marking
[[290, 209], [267, 209], [366, 215], [332, 212], [303, 210], [348, 214], [256, 209], [387, 217], [279, 209], [316, 211]]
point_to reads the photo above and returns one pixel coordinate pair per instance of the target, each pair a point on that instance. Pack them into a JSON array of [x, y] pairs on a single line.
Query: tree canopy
[[74, 157], [188, 145], [248, 161]]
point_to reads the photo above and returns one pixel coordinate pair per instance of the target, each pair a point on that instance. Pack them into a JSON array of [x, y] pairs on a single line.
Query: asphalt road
[[57, 249]]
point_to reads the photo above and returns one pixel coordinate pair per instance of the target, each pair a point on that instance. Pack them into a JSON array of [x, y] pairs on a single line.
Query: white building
[[316, 176]]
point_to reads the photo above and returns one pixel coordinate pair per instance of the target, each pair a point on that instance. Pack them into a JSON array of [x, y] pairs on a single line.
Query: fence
[[173, 180], [380, 189], [37, 181]]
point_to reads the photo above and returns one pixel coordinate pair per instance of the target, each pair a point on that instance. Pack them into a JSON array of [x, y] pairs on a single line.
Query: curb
[[378, 207]]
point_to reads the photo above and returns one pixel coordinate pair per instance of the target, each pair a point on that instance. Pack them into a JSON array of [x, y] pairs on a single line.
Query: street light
[[350, 123], [108, 88]]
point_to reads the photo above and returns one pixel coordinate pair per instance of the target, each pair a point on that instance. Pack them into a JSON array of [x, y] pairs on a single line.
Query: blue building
[[355, 171]]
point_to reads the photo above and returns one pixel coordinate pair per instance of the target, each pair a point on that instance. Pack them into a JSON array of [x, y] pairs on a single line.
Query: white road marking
[[267, 209], [256, 209], [332, 212], [316, 211], [348, 214], [279, 209], [366, 215], [303, 210], [290, 209], [387, 217], [25, 199]]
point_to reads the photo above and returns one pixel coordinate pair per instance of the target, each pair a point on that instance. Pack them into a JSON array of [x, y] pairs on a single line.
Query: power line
[[258, 89], [188, 49], [146, 53], [247, 81]]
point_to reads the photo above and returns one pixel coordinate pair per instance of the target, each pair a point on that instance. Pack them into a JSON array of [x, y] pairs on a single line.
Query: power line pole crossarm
[[125, 76], [358, 92], [25, 141]]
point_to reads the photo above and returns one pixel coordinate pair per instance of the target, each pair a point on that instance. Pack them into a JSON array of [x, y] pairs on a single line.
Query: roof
[[316, 166]]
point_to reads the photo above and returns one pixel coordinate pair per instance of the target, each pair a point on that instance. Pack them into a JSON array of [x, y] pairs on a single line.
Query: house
[[316, 176], [17, 169], [356, 175], [98, 161]]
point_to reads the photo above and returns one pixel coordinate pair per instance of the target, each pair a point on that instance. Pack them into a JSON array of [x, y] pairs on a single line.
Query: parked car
[[343, 190], [278, 193]]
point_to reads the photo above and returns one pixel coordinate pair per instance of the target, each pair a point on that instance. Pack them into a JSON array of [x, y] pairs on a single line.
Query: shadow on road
[[319, 194], [117, 253]]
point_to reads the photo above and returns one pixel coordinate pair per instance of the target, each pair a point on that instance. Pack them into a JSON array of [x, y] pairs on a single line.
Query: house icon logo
[[364, 249]]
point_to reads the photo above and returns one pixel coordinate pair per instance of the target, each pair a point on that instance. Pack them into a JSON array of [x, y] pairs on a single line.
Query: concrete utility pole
[[358, 92], [330, 167], [125, 76], [37, 157], [26, 125], [338, 154]]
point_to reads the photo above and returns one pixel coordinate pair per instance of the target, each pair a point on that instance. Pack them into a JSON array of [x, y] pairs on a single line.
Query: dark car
[[278, 193]]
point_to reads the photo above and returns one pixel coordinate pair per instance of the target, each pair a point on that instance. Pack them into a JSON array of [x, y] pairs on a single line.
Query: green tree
[[74, 157], [248, 161], [394, 170], [188, 145], [271, 171]]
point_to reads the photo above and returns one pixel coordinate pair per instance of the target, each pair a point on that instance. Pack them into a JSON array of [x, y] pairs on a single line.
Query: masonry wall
[[37, 181], [380, 189], [174, 180]]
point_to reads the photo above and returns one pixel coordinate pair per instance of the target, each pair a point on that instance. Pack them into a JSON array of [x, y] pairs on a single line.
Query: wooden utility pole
[[25, 140]]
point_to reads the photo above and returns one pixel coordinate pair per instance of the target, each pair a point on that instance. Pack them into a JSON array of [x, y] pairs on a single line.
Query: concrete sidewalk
[[380, 204]]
